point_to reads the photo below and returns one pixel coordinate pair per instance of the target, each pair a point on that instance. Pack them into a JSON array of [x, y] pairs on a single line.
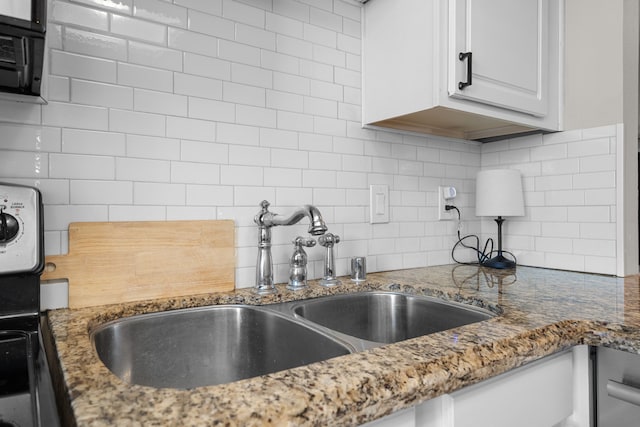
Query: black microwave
[[22, 45]]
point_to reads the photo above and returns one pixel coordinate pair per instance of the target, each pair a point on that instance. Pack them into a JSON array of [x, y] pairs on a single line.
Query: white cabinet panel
[[536, 396], [509, 43]]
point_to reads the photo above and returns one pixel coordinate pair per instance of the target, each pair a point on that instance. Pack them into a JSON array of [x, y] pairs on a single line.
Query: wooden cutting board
[[115, 262]]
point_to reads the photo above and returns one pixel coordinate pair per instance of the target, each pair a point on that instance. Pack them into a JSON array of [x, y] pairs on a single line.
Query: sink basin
[[207, 346], [387, 317]]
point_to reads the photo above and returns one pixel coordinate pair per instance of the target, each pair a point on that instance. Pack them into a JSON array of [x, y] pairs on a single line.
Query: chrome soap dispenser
[[298, 264]]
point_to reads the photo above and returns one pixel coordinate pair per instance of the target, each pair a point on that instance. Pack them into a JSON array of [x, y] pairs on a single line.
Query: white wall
[[199, 109]]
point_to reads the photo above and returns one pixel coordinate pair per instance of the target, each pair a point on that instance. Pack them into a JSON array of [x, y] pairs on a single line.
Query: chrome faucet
[[265, 220]]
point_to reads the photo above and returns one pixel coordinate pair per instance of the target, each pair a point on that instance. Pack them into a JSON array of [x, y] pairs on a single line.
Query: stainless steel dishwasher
[[618, 388]]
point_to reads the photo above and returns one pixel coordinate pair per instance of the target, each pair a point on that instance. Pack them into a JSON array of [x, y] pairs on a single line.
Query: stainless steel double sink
[[212, 345]]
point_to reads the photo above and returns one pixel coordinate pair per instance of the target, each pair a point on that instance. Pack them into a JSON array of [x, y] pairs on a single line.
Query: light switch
[[379, 203]]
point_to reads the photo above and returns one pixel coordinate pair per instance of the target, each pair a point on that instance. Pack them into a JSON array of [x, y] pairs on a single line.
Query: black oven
[[26, 393]]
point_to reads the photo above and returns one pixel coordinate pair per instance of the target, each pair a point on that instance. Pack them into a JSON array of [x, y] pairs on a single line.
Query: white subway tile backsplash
[[290, 196], [150, 193], [598, 163], [101, 94], [294, 121], [142, 170], [210, 24], [23, 164], [33, 138], [189, 41], [249, 156], [58, 217], [238, 52], [239, 12], [255, 116], [289, 158], [145, 77], [195, 173], [88, 192], [564, 198], [256, 37], [598, 230], [600, 248], [325, 18], [319, 178], [205, 66], [72, 166], [75, 116], [137, 122], [209, 152], [151, 147], [59, 88], [283, 177], [83, 67], [208, 109], [284, 25], [184, 128], [202, 87], [238, 134], [247, 196], [213, 7], [210, 195], [241, 175], [80, 141], [121, 6], [137, 213], [138, 29], [159, 102], [155, 56], [330, 126], [161, 12], [294, 47], [595, 180], [94, 44], [588, 214], [69, 13], [292, 9], [584, 148]]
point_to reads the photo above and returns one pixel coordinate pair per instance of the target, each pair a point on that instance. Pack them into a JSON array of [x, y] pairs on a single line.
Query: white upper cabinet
[[505, 44], [463, 68]]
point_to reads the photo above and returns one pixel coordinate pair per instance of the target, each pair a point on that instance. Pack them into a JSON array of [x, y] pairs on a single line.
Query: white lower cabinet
[[552, 392]]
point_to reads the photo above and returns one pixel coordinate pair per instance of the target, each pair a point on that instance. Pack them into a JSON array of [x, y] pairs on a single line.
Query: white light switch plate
[[379, 203]]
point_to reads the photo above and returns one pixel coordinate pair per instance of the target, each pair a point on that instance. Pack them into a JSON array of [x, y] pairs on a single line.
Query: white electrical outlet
[[446, 194]]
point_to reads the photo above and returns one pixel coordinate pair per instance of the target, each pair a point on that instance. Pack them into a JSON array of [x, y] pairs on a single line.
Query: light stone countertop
[[542, 312]]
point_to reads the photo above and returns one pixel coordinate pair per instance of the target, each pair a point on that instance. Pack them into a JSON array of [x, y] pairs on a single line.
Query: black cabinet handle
[[468, 56]]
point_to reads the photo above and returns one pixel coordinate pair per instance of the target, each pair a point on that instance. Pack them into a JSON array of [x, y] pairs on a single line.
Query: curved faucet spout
[[317, 225]]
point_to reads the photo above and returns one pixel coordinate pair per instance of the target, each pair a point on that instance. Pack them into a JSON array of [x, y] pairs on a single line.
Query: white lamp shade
[[499, 193]]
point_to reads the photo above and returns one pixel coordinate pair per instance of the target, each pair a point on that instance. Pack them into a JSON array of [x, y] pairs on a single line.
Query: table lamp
[[499, 194]]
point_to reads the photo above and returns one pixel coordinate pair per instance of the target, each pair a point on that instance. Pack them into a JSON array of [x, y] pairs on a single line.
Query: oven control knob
[[8, 227]]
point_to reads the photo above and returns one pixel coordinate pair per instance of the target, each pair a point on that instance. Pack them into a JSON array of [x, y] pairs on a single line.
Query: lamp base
[[499, 262]]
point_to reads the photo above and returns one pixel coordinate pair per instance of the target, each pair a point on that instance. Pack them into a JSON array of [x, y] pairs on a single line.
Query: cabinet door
[[508, 40]]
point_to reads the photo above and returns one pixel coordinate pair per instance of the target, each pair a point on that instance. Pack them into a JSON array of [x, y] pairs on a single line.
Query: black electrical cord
[[484, 254]]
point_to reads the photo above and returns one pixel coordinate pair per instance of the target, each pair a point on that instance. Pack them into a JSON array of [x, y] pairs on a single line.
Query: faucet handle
[[306, 242], [328, 240], [265, 206]]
